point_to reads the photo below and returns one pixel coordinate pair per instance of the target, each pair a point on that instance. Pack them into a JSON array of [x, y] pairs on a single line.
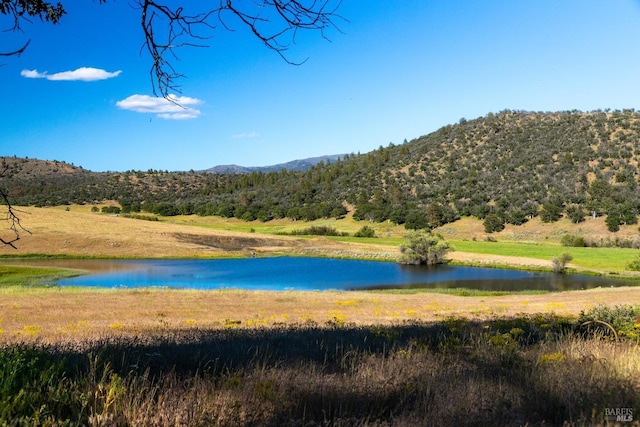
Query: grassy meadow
[[102, 357]]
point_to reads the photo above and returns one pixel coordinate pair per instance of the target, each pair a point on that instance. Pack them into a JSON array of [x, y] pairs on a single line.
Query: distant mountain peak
[[294, 165]]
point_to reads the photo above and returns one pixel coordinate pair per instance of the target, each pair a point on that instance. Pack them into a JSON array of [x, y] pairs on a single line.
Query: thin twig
[[274, 22], [14, 222], [602, 322]]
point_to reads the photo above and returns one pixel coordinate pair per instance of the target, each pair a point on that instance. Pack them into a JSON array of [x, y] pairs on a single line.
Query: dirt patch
[[79, 232], [236, 243], [497, 260]]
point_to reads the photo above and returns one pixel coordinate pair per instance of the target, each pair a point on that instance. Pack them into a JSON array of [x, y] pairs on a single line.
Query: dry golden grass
[[58, 314], [223, 357], [55, 315], [79, 232]]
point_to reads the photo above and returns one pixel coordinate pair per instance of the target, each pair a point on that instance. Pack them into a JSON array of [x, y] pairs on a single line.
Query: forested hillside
[[504, 168]]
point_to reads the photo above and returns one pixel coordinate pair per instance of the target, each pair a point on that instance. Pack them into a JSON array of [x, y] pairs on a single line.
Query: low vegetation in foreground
[[522, 370]]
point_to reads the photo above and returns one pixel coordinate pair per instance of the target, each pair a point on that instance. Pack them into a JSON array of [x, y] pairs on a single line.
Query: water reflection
[[89, 265], [308, 274]]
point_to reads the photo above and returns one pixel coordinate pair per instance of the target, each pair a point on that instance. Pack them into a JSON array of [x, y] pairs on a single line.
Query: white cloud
[[32, 74], [173, 108], [84, 74], [246, 135]]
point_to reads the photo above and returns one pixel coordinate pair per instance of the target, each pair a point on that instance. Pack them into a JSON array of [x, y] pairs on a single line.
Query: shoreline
[[462, 259]]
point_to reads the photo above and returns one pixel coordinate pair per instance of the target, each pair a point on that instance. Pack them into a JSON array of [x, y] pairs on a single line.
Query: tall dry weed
[[511, 371]]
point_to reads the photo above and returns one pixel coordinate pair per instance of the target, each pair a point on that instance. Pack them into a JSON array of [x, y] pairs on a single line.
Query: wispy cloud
[[173, 108], [246, 135], [83, 74]]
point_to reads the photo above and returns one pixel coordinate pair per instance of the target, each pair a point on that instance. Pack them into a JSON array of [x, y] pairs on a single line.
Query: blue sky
[[399, 69]]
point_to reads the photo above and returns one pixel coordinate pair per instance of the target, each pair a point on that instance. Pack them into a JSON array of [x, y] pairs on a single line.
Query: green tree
[[576, 213], [550, 212], [493, 223], [365, 231], [516, 217], [621, 214], [111, 209], [423, 248], [613, 221], [415, 220]]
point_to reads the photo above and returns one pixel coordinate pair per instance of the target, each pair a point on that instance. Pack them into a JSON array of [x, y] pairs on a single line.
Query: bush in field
[[634, 265], [493, 223], [576, 213], [423, 247], [573, 241], [613, 223], [550, 212], [316, 230], [560, 263], [110, 209], [365, 231], [625, 319]]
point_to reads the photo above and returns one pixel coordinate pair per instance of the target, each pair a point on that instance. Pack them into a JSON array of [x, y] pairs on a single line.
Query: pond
[[284, 273]]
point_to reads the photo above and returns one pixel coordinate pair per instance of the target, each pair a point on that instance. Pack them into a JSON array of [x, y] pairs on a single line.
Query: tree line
[[503, 168]]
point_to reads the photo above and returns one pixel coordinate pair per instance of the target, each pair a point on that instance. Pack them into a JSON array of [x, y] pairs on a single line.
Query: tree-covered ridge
[[505, 168]]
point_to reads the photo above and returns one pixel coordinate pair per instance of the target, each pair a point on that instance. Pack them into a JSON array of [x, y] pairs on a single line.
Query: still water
[[283, 273]]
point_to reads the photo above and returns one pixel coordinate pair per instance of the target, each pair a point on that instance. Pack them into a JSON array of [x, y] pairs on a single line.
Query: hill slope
[[513, 165]]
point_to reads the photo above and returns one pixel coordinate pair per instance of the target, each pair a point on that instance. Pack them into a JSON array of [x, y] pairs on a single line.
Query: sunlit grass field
[[540, 241], [83, 356], [603, 259]]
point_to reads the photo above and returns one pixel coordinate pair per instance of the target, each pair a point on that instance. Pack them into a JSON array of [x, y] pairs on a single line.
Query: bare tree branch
[[14, 222], [17, 52], [20, 11], [274, 22], [161, 44]]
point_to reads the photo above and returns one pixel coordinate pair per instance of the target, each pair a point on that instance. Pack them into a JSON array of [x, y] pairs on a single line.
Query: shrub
[[634, 265], [423, 247], [365, 231], [111, 209], [613, 223], [576, 213], [560, 263], [550, 212], [493, 223], [316, 230], [625, 319], [573, 241]]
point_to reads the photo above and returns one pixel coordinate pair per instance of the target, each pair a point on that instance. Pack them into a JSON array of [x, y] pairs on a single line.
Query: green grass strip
[[27, 276]]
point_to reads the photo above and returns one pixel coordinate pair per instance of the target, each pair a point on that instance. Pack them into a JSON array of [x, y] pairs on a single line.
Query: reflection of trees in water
[[541, 282], [472, 278]]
